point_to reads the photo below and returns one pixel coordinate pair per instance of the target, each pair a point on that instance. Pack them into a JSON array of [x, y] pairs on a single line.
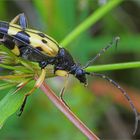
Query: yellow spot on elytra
[[50, 48]]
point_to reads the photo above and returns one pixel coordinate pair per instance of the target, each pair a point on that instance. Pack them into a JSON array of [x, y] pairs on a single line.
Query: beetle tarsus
[[22, 106]]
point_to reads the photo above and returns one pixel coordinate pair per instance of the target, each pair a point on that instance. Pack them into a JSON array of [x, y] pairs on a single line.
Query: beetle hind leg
[[21, 18], [37, 85]]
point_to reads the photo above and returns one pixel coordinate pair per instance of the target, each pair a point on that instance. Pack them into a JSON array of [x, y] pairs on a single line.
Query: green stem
[[119, 66], [95, 16]]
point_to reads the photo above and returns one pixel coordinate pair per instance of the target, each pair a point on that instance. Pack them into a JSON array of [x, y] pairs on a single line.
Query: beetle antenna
[[137, 116], [113, 42]]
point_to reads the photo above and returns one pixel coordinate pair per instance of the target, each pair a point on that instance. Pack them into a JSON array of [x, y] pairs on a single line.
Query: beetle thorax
[[66, 62]]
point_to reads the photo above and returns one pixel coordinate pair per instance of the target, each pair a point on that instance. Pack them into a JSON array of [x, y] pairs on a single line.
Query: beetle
[[38, 47]]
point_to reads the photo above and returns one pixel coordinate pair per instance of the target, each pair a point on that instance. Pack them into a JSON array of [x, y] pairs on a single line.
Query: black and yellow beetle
[[38, 47]]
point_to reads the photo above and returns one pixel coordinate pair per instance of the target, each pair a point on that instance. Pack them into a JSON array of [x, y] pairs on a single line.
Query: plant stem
[[118, 66], [68, 113], [95, 16], [14, 68], [15, 76]]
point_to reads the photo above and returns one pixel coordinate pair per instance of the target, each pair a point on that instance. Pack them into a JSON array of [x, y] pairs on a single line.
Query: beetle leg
[[21, 18], [41, 78], [37, 85], [63, 90], [66, 75]]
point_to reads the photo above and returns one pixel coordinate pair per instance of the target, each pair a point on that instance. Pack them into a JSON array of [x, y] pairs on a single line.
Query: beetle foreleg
[[63, 89], [66, 75]]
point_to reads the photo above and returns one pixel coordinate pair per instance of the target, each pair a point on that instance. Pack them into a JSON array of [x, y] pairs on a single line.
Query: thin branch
[[22, 69], [15, 76], [68, 113]]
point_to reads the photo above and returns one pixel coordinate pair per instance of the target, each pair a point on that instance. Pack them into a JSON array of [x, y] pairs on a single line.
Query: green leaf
[[5, 86], [11, 102]]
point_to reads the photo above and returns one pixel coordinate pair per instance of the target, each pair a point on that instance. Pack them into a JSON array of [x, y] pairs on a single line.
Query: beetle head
[[80, 74]]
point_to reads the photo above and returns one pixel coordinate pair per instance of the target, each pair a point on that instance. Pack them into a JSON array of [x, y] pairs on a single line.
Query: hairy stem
[[68, 113]]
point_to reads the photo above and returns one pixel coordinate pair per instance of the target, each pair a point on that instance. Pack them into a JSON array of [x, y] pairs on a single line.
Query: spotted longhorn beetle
[[38, 47]]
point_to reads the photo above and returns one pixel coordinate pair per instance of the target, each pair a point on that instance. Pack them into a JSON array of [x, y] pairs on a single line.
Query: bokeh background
[[102, 107]]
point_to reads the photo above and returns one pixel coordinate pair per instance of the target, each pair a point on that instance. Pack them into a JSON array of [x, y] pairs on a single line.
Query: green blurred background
[[104, 115]]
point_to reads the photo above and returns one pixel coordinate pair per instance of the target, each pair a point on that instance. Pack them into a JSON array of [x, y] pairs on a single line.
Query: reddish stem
[[68, 113]]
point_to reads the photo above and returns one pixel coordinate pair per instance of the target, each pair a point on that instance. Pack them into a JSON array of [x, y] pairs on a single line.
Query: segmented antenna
[[113, 42], [125, 94]]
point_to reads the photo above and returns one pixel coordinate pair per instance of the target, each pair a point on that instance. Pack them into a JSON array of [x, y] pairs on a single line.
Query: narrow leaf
[[12, 102]]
